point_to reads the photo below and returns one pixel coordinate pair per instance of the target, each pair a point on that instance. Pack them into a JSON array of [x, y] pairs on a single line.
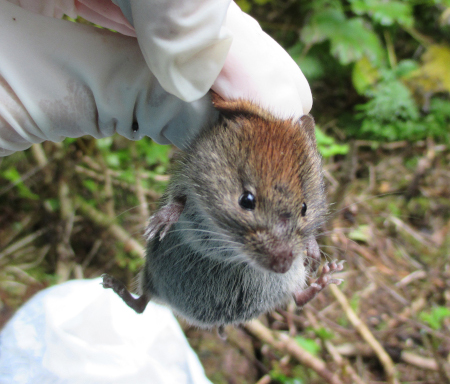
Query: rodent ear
[[308, 125], [234, 108]]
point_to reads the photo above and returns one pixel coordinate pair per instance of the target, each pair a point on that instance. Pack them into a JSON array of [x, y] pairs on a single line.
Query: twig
[[416, 275], [264, 380], [364, 331], [39, 155], [332, 350], [285, 344], [91, 253], [109, 194], [42, 253], [419, 361], [351, 350], [120, 183], [442, 369], [115, 229], [65, 252], [22, 242], [416, 235], [140, 194], [15, 230]]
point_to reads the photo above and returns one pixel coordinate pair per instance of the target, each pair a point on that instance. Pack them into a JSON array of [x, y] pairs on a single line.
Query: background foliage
[[379, 67]]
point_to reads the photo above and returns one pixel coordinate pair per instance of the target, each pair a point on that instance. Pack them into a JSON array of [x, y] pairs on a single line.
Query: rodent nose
[[281, 261]]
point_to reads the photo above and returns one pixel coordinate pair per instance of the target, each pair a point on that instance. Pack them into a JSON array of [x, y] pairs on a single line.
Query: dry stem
[[286, 344]]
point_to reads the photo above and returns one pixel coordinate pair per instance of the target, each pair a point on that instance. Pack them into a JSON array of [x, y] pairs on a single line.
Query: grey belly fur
[[208, 292]]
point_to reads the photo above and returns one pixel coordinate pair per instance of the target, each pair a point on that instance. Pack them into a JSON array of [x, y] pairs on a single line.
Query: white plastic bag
[[78, 332]]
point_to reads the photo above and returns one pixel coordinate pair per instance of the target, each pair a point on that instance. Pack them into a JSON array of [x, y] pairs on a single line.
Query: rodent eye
[[247, 201], [304, 208]]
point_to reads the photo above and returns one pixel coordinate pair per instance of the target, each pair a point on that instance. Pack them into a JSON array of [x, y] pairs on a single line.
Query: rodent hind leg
[[325, 279], [163, 219], [138, 304]]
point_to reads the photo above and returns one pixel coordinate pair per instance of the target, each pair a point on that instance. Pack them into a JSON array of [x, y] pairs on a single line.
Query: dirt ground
[[69, 215]]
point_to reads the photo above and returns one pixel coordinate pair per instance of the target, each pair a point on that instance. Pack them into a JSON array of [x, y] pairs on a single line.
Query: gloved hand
[[60, 79]]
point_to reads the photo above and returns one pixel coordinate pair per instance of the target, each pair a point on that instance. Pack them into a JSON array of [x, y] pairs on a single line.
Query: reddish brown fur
[[274, 159]]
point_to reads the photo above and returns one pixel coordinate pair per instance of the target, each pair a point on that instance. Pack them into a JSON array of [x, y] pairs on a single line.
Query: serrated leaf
[[351, 39], [322, 26], [391, 101], [355, 40], [385, 12]]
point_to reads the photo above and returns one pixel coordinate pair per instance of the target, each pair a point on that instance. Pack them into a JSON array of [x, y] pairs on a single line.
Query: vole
[[234, 236]]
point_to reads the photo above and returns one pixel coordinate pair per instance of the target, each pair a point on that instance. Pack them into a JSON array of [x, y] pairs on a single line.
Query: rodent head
[[259, 180]]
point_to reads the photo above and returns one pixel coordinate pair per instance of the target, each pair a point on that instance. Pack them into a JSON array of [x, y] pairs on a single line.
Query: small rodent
[[234, 236]]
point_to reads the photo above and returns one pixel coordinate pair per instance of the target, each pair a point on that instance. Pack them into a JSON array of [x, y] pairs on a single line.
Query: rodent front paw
[[325, 279], [328, 269]]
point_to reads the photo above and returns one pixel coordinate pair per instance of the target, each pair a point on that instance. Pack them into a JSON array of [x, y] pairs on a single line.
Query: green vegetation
[[380, 68]]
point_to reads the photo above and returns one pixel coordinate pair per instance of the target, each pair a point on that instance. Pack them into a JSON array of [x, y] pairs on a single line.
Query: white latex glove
[[187, 50], [61, 80], [80, 333]]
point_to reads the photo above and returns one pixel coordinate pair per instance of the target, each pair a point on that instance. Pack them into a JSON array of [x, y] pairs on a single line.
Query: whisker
[[363, 201]]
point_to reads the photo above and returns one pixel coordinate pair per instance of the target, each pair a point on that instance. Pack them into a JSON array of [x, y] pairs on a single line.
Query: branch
[[364, 331], [116, 230], [286, 344]]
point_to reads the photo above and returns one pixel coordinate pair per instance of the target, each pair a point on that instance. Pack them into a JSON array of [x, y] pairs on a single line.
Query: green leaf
[[391, 100], [13, 175], [311, 67], [385, 12], [364, 75], [395, 209], [104, 143], [445, 3], [53, 204], [323, 333], [362, 233], [435, 317], [327, 145], [322, 26], [282, 378], [354, 40], [434, 73], [351, 39], [308, 345], [113, 159], [405, 68], [245, 5], [91, 185]]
